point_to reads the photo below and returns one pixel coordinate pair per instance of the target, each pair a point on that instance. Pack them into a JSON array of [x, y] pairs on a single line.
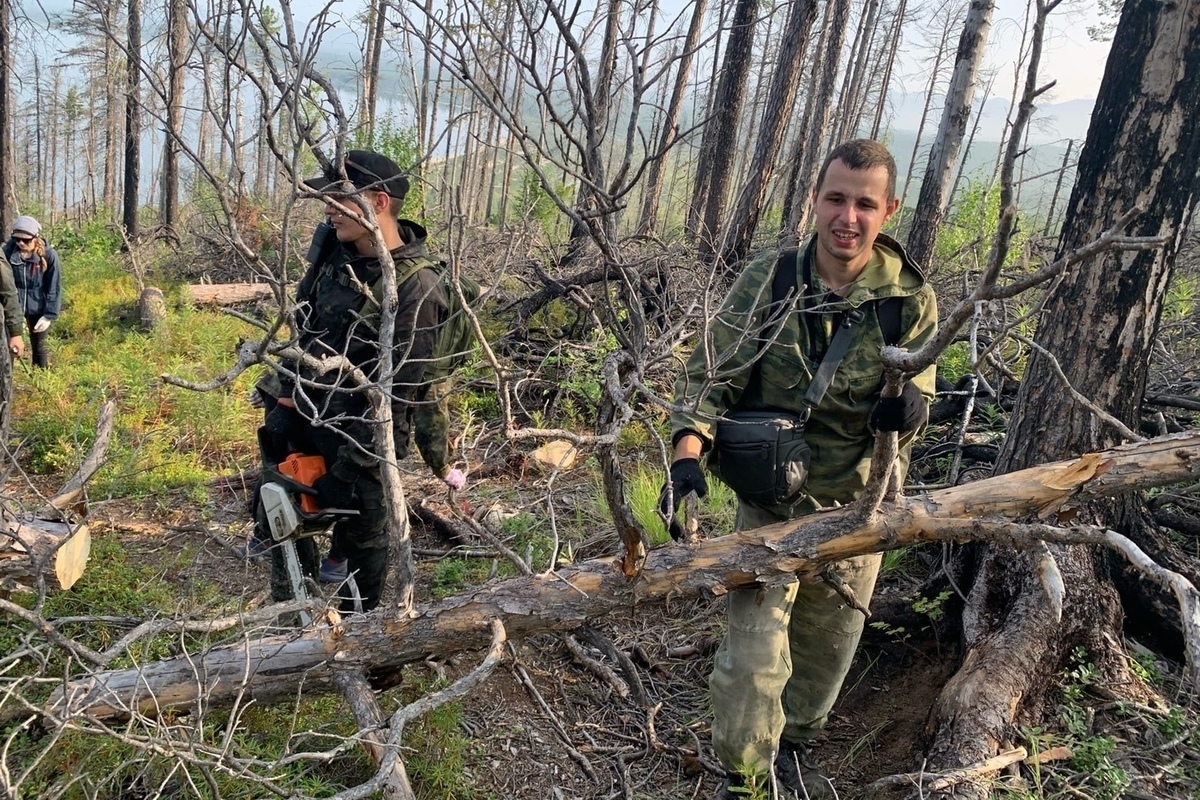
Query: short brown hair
[[862, 154]]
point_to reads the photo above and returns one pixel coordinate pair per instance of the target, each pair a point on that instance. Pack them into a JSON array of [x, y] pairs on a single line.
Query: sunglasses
[[23, 239]]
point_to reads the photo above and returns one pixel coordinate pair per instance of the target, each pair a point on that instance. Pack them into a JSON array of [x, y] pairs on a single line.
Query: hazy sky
[[1070, 57]]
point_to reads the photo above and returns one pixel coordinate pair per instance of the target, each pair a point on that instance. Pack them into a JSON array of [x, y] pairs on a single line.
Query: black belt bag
[[762, 455]]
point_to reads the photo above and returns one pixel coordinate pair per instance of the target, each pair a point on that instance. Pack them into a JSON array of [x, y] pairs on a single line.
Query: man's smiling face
[[851, 207]]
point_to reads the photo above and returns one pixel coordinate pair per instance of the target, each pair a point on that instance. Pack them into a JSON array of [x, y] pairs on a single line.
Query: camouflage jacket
[[717, 376], [336, 313]]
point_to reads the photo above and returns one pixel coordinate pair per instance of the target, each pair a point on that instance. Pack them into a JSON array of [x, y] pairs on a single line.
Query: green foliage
[[1180, 304], [530, 202], [932, 607], [967, 235]]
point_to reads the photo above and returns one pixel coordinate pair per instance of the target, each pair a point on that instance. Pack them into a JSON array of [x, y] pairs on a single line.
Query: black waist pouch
[[762, 455]]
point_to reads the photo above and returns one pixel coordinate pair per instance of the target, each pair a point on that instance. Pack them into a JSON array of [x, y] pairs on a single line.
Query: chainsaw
[[290, 506]]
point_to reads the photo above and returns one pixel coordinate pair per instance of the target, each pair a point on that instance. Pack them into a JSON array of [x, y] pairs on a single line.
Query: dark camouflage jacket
[[337, 313], [717, 375]]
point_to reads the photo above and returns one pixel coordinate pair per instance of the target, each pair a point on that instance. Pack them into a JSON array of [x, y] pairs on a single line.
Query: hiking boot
[[799, 773], [738, 787], [334, 570]]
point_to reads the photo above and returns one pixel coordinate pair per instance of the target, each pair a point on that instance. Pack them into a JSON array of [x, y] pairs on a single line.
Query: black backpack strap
[[887, 311], [784, 280]]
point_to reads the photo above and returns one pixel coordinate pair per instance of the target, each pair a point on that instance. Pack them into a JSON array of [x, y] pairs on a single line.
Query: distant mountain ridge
[[1053, 123]]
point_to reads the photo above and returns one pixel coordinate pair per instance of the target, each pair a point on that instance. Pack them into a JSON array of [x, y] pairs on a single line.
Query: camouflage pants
[[785, 655]]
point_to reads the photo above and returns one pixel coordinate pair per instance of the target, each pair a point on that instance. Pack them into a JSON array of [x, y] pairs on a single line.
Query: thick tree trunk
[[718, 147], [776, 118], [1141, 149], [275, 666]]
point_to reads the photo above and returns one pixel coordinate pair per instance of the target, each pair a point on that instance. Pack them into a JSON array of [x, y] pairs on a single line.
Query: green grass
[[165, 437]]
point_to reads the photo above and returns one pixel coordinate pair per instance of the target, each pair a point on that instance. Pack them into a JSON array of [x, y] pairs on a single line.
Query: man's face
[[348, 230], [851, 206]]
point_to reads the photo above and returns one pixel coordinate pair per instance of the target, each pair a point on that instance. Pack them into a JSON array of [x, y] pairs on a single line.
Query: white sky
[[1069, 56]]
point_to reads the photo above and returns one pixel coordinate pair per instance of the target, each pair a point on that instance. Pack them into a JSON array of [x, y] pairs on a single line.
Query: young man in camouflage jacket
[[788, 647], [337, 314]]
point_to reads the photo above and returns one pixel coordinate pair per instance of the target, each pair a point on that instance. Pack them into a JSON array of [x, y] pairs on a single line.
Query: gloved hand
[[456, 479], [41, 325], [686, 477], [256, 399], [333, 492], [902, 414]]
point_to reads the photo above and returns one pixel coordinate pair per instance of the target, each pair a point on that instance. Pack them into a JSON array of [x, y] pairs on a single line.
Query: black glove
[[686, 477], [902, 414], [333, 492]]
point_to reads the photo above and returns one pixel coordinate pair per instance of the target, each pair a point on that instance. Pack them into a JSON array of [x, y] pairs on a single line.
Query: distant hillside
[[1037, 171]]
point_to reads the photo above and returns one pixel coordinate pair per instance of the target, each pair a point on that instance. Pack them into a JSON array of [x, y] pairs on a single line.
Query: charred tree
[[133, 125], [718, 148], [776, 117], [670, 123], [1141, 150]]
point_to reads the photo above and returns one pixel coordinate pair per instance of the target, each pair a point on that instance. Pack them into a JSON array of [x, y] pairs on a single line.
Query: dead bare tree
[[956, 111]]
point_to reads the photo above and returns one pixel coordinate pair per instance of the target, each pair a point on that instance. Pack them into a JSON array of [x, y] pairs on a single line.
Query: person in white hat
[[38, 283]]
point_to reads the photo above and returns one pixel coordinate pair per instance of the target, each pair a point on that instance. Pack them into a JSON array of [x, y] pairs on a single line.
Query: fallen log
[[228, 294], [271, 667], [42, 547], [48, 544]]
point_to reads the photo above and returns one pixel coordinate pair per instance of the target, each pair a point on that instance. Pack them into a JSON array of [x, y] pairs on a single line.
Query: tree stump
[[152, 308]]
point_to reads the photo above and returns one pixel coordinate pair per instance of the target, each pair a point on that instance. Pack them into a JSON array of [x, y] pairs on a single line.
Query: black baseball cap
[[367, 171]]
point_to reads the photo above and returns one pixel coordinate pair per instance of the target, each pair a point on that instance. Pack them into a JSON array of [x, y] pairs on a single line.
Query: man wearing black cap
[[337, 314]]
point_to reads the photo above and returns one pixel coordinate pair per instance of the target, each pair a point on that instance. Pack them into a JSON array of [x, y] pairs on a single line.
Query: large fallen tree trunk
[[270, 667], [228, 294]]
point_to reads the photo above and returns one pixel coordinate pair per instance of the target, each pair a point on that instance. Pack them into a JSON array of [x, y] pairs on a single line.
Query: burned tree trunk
[[1141, 150]]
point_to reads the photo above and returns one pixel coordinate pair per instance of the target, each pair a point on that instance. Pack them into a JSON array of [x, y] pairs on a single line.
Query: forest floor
[[546, 726]]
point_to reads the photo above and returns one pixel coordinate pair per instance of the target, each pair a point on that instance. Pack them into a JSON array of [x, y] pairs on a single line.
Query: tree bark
[[274, 666], [718, 147], [670, 122], [804, 175], [133, 125], [177, 43]]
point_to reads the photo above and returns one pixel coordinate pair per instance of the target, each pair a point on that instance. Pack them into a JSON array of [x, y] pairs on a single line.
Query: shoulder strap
[[888, 312], [784, 280], [833, 357]]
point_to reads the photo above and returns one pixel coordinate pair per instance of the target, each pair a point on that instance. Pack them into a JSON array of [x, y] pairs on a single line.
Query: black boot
[[740, 787], [798, 772]]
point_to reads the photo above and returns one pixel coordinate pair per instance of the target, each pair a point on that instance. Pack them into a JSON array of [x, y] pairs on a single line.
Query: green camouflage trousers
[[784, 657]]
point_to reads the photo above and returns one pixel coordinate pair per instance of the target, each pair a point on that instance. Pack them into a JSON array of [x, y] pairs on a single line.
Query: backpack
[[456, 337]]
